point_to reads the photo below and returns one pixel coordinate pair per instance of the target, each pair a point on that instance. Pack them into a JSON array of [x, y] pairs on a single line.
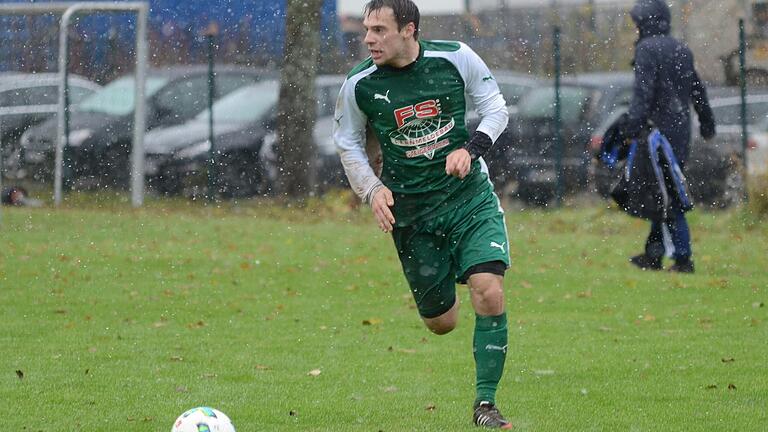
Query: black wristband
[[478, 145]]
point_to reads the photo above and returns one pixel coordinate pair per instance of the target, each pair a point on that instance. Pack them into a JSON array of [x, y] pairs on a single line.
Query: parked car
[[524, 157], [177, 157], [27, 99], [513, 86], [757, 156], [714, 169], [101, 126]]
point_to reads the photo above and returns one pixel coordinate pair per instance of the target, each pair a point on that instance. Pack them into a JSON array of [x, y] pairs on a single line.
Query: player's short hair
[[405, 11]]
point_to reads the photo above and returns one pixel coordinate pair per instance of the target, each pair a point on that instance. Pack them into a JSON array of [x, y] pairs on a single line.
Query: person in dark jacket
[[666, 84]]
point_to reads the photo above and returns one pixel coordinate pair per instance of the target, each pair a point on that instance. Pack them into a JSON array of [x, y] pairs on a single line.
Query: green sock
[[490, 348]]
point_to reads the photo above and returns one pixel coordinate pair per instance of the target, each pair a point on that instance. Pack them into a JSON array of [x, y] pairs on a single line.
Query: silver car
[[27, 99]]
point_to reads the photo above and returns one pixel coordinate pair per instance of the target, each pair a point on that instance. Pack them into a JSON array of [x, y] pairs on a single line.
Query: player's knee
[[489, 293], [442, 324], [441, 328]]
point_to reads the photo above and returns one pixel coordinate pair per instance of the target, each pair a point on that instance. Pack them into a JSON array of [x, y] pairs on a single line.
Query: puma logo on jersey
[[488, 78], [385, 96], [500, 246]]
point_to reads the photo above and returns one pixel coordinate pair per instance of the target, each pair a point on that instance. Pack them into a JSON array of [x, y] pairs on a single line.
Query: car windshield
[[117, 98], [540, 103], [245, 105], [731, 114], [513, 92]]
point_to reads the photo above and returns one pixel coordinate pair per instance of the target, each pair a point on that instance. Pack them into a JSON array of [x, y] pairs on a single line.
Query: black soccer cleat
[[488, 416], [682, 267], [646, 262]]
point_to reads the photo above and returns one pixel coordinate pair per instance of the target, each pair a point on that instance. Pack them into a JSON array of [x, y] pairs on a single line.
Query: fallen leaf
[[728, 359], [731, 386], [177, 358], [261, 367], [19, 374], [293, 413], [430, 407], [711, 387], [196, 325], [373, 321], [314, 372]]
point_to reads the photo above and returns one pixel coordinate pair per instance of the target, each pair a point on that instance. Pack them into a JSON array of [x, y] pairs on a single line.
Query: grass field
[[116, 319]]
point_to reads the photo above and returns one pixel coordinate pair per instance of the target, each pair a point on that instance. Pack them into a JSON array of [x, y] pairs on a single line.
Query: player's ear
[[409, 29]]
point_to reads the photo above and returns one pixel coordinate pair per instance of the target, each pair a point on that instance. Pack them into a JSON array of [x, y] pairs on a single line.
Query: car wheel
[[535, 193], [733, 187], [718, 184], [241, 174], [602, 181]]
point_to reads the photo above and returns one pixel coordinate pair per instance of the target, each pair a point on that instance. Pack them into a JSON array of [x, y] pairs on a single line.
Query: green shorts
[[437, 252]]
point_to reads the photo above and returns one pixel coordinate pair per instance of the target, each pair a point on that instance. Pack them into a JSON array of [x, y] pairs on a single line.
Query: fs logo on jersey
[[421, 126]]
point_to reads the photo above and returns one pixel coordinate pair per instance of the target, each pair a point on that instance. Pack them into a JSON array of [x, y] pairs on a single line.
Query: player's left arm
[[481, 87]]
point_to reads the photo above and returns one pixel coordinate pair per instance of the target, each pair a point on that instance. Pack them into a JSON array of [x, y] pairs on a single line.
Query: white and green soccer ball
[[203, 419]]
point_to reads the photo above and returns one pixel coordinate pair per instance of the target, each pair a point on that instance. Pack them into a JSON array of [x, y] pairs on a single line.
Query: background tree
[[297, 107]]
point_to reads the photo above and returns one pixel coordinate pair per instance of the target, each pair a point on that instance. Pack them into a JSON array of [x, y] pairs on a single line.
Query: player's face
[[385, 42]]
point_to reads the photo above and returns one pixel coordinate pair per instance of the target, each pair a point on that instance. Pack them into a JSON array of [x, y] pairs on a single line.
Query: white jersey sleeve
[[481, 87], [350, 139]]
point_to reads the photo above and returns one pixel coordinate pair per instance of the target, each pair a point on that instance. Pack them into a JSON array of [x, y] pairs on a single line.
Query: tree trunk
[[297, 105]]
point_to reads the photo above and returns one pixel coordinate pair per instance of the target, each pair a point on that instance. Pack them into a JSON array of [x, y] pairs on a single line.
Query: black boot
[[646, 262], [682, 266]]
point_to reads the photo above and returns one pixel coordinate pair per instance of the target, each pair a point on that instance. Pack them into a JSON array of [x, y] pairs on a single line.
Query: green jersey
[[418, 115]]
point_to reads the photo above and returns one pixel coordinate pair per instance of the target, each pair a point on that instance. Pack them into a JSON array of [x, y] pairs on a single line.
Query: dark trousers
[[678, 229]]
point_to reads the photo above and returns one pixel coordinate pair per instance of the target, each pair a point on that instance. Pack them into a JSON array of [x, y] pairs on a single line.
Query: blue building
[[250, 31]]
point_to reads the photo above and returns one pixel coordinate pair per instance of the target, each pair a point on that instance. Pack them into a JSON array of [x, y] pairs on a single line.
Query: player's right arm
[[350, 138]]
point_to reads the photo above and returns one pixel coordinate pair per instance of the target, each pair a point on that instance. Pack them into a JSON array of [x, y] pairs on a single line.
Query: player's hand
[[380, 204], [457, 163]]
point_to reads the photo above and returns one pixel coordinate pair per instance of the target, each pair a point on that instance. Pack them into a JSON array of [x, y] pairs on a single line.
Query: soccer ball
[[203, 419]]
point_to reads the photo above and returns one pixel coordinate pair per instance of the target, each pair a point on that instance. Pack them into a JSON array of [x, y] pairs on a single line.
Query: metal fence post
[[212, 172], [558, 123], [743, 89]]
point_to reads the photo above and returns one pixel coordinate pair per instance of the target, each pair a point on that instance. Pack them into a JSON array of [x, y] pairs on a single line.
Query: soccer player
[[433, 193]]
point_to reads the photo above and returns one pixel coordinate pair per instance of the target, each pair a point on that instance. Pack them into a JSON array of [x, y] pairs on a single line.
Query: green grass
[[121, 319]]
